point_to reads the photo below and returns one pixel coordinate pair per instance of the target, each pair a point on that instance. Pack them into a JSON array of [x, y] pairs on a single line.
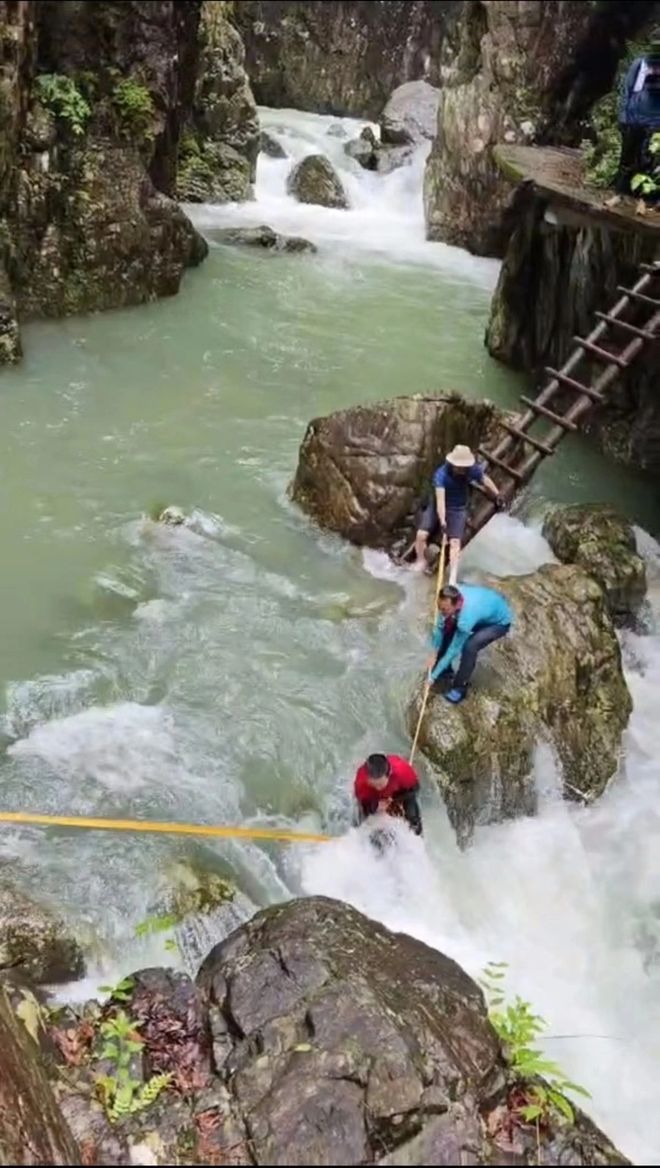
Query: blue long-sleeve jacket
[[641, 108], [481, 606]]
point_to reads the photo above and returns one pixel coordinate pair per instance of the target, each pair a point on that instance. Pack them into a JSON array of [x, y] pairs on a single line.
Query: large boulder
[[218, 153], [310, 1036], [557, 676], [314, 180], [602, 541], [411, 114], [363, 471], [34, 941]]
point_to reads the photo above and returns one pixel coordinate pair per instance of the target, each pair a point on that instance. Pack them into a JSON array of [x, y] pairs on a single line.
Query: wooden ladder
[[615, 342]]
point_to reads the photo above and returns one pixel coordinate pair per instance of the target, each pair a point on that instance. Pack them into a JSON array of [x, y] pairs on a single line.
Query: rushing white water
[[385, 215], [238, 670]]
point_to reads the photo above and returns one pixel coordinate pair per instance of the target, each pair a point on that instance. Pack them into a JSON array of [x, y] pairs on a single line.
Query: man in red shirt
[[388, 783]]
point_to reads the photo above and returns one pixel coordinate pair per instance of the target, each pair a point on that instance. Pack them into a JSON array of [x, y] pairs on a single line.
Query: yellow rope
[[427, 688], [264, 833]]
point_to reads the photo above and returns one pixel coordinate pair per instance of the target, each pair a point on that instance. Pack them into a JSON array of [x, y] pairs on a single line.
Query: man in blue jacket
[[639, 112], [468, 619]]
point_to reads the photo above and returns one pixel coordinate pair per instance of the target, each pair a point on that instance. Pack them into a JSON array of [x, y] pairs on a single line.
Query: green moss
[[135, 109]]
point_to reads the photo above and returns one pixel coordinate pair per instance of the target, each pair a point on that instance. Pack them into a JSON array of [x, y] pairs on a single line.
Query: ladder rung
[[564, 379], [546, 413], [524, 437], [601, 354], [638, 296], [628, 328], [515, 474]]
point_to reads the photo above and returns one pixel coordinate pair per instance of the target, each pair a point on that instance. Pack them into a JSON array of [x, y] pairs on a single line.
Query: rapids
[[239, 670]]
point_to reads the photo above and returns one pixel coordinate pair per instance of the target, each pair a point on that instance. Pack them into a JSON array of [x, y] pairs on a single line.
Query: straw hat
[[461, 456]]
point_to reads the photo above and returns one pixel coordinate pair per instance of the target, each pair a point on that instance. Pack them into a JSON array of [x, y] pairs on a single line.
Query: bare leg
[[454, 556], [421, 540]]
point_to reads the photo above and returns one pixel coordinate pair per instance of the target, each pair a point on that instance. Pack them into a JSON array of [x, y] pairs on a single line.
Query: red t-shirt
[[402, 778]]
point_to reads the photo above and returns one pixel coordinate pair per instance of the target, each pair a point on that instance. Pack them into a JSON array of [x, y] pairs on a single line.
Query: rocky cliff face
[[94, 99], [343, 56], [525, 71], [219, 146], [310, 1036], [556, 274]]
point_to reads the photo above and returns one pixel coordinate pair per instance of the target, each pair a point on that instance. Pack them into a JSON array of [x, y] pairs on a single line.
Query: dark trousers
[[631, 162], [485, 635]]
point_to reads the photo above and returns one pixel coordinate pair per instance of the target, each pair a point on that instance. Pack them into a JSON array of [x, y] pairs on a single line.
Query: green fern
[[518, 1027], [61, 95]]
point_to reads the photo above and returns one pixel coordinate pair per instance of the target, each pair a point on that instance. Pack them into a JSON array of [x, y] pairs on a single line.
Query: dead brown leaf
[[74, 1043]]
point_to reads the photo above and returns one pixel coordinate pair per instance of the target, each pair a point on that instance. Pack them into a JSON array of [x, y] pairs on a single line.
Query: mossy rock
[[556, 677], [196, 891], [35, 941], [602, 541], [314, 180]]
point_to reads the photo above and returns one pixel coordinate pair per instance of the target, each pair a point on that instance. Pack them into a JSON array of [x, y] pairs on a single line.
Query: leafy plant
[[158, 924], [61, 95], [121, 1093], [648, 184], [121, 992], [135, 107], [518, 1028], [603, 151]]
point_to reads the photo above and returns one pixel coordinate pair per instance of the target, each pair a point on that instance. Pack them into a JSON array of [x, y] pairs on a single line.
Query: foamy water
[[385, 215]]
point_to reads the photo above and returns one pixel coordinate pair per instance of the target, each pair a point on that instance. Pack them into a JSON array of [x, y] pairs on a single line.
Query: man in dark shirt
[[446, 513], [639, 112]]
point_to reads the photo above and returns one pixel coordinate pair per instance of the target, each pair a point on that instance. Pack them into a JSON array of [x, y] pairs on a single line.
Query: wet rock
[[365, 149], [299, 1043], [263, 237], [602, 541], [556, 676], [411, 115], [336, 130], [314, 180], [34, 941], [363, 472], [194, 889], [270, 145], [219, 148], [331, 1063], [32, 1127]]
